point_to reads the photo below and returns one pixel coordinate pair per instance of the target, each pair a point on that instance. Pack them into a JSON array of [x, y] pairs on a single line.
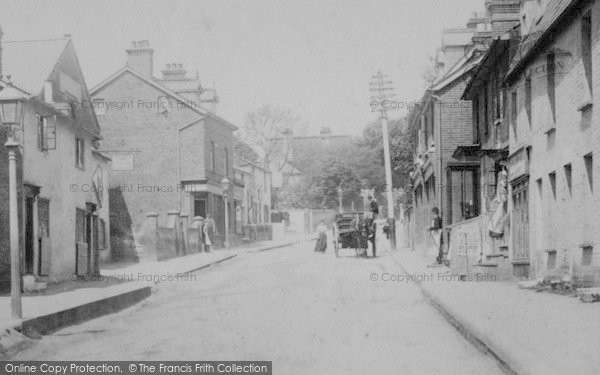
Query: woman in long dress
[[321, 244], [207, 231]]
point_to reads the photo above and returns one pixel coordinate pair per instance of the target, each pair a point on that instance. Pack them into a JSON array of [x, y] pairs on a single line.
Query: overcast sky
[[313, 56]]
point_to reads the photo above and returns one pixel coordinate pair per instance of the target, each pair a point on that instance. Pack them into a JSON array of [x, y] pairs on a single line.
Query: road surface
[[309, 313]]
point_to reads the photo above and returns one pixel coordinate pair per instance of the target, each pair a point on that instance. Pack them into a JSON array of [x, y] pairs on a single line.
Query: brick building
[[554, 139], [169, 151], [64, 218], [485, 232], [442, 122]]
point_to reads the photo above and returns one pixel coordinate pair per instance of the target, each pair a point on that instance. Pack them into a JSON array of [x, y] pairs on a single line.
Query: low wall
[[258, 232], [306, 221], [468, 243]]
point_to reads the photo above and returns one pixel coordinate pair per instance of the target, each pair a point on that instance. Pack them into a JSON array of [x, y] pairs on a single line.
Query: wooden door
[[520, 221]]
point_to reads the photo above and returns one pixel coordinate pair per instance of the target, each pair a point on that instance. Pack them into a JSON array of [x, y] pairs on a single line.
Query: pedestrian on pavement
[[207, 231], [361, 233], [321, 244], [374, 206], [436, 232], [372, 229]]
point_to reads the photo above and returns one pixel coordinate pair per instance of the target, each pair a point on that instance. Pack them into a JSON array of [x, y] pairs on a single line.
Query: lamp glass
[[225, 183], [10, 111]]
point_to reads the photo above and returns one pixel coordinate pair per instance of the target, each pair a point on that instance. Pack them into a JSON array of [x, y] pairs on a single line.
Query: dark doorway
[[29, 236], [91, 230], [200, 207]]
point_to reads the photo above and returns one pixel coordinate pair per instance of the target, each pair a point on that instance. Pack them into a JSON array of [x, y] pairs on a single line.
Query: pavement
[[528, 332], [309, 313], [118, 287]]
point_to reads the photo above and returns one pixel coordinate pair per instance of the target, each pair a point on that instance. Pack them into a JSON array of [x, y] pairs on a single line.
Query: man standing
[[372, 229], [374, 206], [361, 234], [436, 232]]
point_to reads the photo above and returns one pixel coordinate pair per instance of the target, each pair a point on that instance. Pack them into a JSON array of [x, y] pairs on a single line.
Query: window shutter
[[50, 133]]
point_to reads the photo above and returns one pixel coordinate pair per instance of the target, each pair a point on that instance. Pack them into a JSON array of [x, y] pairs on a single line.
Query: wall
[[563, 219], [452, 127], [132, 125]]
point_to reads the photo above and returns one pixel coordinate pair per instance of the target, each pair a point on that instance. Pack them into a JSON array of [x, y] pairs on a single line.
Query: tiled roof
[[556, 11]]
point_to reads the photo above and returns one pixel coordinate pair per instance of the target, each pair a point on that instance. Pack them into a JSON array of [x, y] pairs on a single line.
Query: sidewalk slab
[[527, 332]]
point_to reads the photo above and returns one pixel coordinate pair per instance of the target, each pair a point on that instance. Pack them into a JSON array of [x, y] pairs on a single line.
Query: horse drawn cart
[[344, 233]]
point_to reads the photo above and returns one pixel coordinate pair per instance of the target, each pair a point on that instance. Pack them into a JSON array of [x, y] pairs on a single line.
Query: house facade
[[554, 139], [483, 237], [442, 122], [63, 206], [169, 152], [253, 200]]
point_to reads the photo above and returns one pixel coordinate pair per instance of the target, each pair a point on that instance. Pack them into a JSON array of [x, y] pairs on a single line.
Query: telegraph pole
[[378, 88]]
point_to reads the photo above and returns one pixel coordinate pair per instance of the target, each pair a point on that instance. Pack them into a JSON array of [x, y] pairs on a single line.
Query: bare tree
[[272, 130]]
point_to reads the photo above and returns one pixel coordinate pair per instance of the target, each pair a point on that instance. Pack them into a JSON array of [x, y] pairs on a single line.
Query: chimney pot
[[141, 57]]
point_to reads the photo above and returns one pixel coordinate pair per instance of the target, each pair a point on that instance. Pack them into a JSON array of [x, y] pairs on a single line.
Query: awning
[[471, 152]]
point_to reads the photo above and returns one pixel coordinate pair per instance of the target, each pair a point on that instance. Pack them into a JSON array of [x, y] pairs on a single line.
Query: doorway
[[29, 235], [520, 225], [91, 237]]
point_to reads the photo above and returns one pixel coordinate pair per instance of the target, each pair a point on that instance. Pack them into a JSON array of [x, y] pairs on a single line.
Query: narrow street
[[309, 313]]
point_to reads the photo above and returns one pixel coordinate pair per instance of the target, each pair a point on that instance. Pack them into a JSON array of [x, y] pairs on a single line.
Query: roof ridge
[[36, 40]]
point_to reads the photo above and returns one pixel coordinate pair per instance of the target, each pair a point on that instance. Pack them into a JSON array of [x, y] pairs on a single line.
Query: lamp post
[[11, 114], [340, 192], [225, 185]]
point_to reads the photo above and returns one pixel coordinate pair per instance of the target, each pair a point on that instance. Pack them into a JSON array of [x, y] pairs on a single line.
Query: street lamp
[[11, 114], [225, 183], [340, 192]]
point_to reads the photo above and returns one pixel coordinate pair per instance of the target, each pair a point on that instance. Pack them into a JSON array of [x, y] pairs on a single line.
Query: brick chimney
[[503, 15], [140, 57], [1, 34], [453, 46], [174, 71]]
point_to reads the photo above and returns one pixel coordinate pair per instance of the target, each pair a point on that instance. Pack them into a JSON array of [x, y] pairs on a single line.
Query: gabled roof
[[557, 11], [498, 45], [462, 66], [148, 80], [30, 62]]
